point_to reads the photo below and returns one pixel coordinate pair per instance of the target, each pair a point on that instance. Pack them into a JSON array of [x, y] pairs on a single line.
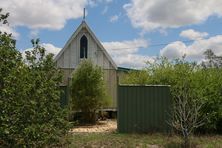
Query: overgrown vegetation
[[203, 81], [88, 90], [196, 90], [30, 112], [186, 115]]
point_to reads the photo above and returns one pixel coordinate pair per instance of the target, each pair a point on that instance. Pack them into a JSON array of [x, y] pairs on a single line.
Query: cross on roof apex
[[84, 14]]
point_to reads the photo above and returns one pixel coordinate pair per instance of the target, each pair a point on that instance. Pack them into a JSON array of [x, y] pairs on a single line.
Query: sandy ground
[[100, 127]]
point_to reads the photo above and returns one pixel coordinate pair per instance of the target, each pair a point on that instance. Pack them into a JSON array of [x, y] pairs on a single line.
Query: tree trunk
[[186, 142], [89, 117]]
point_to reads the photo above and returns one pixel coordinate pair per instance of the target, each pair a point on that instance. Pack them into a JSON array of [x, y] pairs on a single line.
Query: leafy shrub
[[88, 90], [30, 112], [204, 82]]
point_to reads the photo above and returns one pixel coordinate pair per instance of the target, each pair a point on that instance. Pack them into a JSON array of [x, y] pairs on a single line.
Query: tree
[[136, 77], [187, 85], [88, 90], [10, 66], [187, 110], [47, 122], [211, 87], [30, 112], [212, 60], [3, 17], [207, 83], [9, 56]]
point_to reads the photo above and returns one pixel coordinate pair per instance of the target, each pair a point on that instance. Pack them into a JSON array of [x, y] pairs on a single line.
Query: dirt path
[[100, 127]]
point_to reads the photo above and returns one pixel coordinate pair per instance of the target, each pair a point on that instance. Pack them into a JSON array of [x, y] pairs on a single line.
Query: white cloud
[[125, 53], [125, 47], [156, 14], [37, 14], [133, 60], [46, 14], [114, 18], [9, 30], [193, 35], [50, 48], [195, 50], [174, 50], [94, 3]]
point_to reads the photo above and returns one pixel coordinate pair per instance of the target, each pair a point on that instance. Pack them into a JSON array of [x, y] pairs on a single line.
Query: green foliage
[[30, 112], [10, 58], [3, 17], [136, 77], [204, 85], [207, 83], [88, 90]]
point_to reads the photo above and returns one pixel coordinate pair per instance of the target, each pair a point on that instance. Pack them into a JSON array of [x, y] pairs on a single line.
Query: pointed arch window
[[83, 47]]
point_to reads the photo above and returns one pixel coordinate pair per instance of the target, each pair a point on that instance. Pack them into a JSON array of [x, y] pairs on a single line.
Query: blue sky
[[130, 30]]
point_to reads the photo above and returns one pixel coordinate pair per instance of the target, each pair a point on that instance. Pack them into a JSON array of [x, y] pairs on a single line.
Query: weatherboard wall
[[69, 59]]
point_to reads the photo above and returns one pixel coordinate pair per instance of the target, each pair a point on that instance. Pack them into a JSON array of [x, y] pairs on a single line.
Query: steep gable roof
[[81, 26]]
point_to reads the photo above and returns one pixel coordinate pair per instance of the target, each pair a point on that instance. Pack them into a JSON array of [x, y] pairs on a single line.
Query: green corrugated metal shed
[[143, 109]]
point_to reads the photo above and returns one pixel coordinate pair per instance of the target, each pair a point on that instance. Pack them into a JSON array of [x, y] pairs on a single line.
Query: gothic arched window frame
[[83, 47]]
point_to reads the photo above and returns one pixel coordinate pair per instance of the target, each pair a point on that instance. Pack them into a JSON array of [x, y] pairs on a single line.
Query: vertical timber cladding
[[111, 87], [67, 73], [143, 109], [69, 58]]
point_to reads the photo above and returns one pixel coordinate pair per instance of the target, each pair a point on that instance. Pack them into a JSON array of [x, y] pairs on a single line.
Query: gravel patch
[[100, 127]]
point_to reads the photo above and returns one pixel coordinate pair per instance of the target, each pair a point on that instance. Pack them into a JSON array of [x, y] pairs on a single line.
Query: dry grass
[[116, 140]]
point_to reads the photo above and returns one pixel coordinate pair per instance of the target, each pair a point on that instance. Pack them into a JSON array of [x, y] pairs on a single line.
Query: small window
[[83, 47]]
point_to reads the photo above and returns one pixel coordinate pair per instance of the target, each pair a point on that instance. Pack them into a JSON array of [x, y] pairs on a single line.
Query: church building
[[83, 44]]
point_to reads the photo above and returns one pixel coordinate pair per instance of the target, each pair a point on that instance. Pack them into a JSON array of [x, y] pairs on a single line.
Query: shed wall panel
[[143, 109]]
